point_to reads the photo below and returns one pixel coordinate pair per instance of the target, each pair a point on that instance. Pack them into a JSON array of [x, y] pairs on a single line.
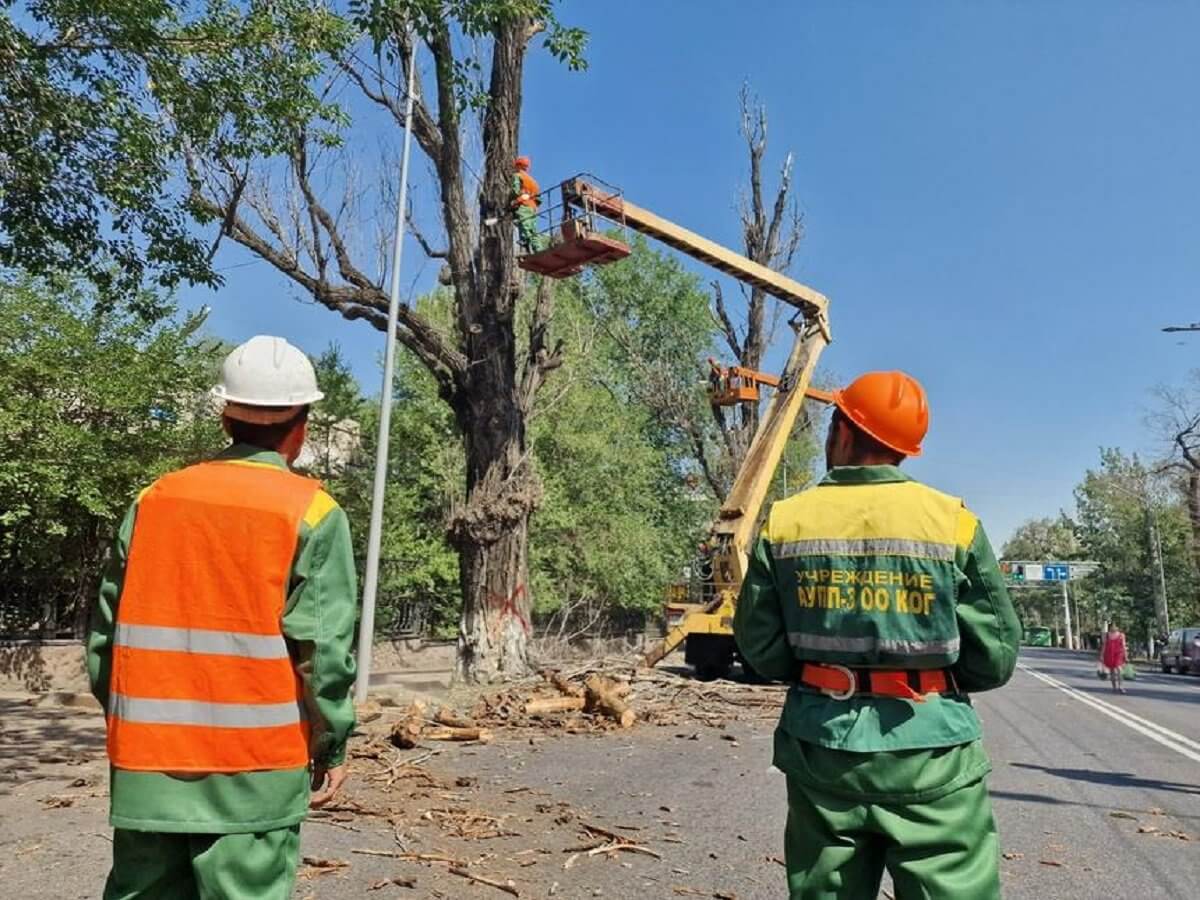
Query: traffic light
[[1013, 572]]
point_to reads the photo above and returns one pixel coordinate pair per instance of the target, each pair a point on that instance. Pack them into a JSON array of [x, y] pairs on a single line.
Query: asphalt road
[[1064, 762], [1091, 791]]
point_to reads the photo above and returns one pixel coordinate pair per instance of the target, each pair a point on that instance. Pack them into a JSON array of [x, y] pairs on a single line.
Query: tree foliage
[[95, 402], [1124, 512], [618, 516]]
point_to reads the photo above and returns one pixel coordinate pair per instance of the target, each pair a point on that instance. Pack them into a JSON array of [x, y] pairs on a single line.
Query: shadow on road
[[1134, 689], [1024, 797], [1112, 779], [31, 738]]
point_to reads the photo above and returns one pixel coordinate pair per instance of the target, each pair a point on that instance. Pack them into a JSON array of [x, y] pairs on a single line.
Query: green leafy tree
[[620, 516], [1043, 539], [95, 402], [99, 99], [418, 567], [1124, 514]]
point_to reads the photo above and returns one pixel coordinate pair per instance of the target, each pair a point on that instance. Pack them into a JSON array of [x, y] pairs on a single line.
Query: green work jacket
[[988, 635], [318, 624]]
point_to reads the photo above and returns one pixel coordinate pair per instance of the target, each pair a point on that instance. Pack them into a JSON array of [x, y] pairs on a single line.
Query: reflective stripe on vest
[[197, 712], [865, 547], [202, 680], [195, 640], [868, 573]]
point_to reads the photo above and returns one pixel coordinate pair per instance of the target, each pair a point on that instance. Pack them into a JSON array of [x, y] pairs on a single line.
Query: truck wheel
[[712, 671]]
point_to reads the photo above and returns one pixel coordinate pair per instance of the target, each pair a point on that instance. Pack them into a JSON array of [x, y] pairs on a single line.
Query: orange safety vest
[[530, 187], [201, 676]]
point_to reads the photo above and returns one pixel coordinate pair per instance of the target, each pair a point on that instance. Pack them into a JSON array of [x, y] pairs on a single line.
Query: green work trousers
[[527, 229], [153, 865], [940, 849]]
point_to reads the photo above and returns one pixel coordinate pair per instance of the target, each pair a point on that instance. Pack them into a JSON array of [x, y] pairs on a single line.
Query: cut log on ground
[[564, 686], [544, 705], [406, 733], [445, 733], [602, 697], [452, 719]]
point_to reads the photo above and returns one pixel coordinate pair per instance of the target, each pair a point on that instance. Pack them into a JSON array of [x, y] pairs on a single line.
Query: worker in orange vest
[[525, 204], [221, 649]]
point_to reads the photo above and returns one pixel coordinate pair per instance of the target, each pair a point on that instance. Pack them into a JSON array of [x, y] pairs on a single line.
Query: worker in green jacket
[[526, 197], [881, 601], [221, 650]]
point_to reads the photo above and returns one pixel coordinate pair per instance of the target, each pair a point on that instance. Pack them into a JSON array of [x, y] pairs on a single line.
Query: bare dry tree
[[770, 236], [1176, 420]]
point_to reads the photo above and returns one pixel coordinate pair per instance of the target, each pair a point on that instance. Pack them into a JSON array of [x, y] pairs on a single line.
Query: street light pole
[[1067, 617], [366, 626], [1162, 577]]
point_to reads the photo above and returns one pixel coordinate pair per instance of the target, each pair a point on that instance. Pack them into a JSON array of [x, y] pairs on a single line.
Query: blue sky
[[1000, 198]]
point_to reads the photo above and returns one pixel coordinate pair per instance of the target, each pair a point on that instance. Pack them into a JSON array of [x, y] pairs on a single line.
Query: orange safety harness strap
[[842, 683]]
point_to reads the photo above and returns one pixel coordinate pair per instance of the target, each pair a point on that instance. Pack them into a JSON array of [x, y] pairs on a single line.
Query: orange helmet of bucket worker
[[521, 163], [890, 407]]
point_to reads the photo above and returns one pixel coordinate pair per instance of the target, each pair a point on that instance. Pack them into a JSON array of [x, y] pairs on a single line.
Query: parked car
[[1182, 652]]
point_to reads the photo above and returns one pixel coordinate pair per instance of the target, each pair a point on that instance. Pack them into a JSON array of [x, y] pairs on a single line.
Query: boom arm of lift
[[734, 527]]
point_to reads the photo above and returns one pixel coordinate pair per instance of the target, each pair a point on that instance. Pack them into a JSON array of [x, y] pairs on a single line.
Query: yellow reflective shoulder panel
[[321, 506], [967, 523], [904, 510]]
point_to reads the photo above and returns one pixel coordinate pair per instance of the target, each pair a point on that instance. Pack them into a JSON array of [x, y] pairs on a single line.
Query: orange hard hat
[[521, 162], [890, 407]]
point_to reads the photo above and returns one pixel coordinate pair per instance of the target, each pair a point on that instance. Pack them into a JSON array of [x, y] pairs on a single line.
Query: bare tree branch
[[700, 452], [358, 300], [539, 359], [425, 127], [425, 245], [728, 331]]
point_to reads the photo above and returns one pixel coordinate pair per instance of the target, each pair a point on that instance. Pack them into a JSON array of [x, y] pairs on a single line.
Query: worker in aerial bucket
[[881, 601], [221, 649], [524, 204]]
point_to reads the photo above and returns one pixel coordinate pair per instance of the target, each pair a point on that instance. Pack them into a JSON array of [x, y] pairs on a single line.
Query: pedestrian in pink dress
[[1112, 655]]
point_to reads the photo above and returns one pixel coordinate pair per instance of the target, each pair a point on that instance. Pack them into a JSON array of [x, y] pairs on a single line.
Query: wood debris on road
[[409, 882], [507, 886], [610, 694], [314, 866]]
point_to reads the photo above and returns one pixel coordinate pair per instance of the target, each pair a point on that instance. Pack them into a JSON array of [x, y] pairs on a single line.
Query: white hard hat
[[266, 380]]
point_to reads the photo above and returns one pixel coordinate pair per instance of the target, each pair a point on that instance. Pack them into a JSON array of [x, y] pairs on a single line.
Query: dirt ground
[[537, 812]]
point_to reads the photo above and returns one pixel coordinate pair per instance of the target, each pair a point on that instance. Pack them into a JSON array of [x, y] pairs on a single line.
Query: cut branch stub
[[602, 697], [489, 514]]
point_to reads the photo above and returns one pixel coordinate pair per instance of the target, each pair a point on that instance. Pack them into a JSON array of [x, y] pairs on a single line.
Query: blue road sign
[[1056, 572]]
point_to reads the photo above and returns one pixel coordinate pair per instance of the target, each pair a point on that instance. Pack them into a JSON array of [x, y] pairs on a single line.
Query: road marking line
[[1186, 741], [1177, 742], [1094, 700]]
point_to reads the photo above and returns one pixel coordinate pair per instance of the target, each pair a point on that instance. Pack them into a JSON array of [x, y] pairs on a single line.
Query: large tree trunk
[[491, 533]]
